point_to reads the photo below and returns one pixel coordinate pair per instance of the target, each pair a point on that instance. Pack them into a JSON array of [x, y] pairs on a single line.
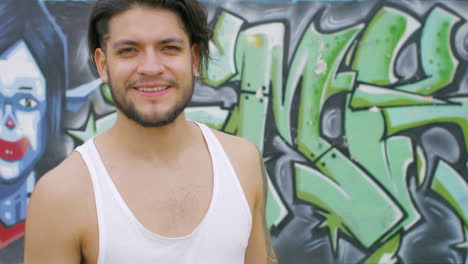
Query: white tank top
[[221, 237]]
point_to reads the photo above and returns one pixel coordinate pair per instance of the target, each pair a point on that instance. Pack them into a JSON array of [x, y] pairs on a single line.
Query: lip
[[151, 85], [12, 151]]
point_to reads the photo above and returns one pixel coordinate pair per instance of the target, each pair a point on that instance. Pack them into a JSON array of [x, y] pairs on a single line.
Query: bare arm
[[260, 248], [51, 235]]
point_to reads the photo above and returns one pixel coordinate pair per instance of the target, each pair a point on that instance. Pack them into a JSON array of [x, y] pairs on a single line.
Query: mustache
[[145, 79]]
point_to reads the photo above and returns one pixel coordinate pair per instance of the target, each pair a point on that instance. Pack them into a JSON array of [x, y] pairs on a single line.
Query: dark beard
[[131, 113]]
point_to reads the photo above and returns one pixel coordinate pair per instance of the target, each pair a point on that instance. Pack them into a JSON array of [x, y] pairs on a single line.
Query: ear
[[195, 53], [100, 61]]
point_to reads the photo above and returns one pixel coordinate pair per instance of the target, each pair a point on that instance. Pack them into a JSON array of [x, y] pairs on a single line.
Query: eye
[[126, 51], [172, 49], [28, 102]]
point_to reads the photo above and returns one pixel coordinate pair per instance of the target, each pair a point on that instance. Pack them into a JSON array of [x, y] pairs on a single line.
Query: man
[[155, 188]]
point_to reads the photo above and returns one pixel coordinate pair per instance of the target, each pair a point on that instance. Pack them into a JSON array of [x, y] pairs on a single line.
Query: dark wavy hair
[[30, 21], [191, 12]]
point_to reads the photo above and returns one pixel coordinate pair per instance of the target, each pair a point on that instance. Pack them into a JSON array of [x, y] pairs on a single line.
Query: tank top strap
[[95, 167], [221, 159], [216, 148], [92, 160], [215, 145]]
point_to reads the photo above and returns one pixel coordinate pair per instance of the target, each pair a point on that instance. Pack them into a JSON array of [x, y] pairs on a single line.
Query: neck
[[150, 142]]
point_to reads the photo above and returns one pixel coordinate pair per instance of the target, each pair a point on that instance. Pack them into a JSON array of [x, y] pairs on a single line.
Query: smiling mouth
[[152, 89], [12, 151]]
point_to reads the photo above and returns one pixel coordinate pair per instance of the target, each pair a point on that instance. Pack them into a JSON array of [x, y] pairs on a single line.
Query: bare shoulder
[[240, 151], [64, 190], [66, 181], [57, 212]]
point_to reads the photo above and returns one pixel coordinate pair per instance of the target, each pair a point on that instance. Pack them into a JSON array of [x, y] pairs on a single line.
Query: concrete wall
[[360, 109]]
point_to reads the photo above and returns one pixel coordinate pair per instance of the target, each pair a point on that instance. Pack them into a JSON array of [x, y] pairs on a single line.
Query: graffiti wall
[[359, 107]]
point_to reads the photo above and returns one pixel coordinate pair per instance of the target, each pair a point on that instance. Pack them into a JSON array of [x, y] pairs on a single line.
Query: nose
[[151, 64], [8, 117], [10, 123]]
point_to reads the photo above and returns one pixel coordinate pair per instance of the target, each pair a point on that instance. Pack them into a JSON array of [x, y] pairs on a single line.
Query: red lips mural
[[12, 151]]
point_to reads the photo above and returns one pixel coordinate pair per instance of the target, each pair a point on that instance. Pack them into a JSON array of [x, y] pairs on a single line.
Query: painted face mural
[[22, 112], [359, 108], [33, 80]]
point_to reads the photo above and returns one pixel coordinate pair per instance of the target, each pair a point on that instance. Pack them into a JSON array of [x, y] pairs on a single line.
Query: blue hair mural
[[33, 80]]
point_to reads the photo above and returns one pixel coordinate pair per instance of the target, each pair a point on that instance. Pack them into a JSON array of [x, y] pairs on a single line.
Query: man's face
[[149, 65], [22, 112]]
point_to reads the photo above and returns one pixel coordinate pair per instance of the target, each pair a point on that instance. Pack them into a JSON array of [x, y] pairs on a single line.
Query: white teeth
[[152, 89]]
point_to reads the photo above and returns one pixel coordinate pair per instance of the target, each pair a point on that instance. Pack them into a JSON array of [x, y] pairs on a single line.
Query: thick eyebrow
[[25, 88], [172, 40], [126, 42]]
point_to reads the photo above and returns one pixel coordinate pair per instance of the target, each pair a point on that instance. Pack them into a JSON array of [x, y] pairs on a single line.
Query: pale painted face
[[22, 112]]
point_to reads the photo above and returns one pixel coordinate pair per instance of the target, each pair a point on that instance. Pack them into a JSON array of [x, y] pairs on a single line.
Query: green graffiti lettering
[[316, 61], [212, 116], [380, 45], [401, 118], [254, 50], [256, 47], [399, 155], [450, 185], [437, 59], [366, 96], [222, 46], [387, 161], [324, 52], [231, 124], [347, 193], [386, 253], [275, 209]]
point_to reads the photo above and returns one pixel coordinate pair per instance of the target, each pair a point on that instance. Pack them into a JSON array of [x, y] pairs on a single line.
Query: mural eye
[[28, 102]]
